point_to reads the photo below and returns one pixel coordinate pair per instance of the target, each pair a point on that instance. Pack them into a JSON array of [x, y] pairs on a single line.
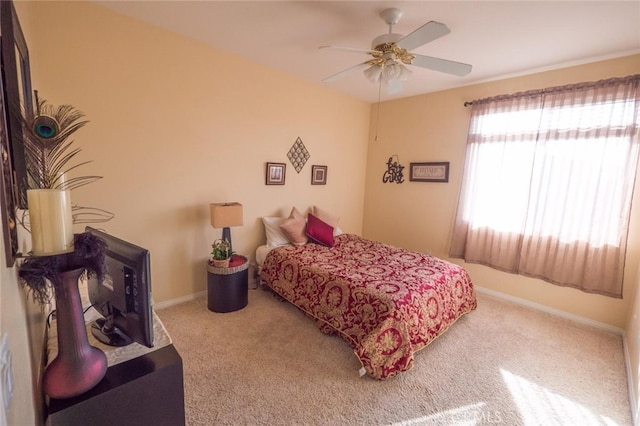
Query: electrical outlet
[[6, 374]]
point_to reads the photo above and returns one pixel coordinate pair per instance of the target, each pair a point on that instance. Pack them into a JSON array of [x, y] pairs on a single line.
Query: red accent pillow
[[319, 231]]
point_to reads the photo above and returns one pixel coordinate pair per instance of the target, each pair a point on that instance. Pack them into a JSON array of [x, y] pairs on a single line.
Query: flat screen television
[[123, 298]]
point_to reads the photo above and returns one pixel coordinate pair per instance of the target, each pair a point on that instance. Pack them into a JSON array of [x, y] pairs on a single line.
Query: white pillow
[[275, 235]]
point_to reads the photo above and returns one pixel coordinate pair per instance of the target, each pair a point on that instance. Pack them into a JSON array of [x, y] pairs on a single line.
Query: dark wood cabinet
[[147, 390]]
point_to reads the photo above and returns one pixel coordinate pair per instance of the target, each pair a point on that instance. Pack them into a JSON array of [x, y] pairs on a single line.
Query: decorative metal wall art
[[298, 155], [393, 172]]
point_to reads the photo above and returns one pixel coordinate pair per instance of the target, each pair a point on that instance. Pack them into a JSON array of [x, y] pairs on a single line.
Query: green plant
[[221, 250]]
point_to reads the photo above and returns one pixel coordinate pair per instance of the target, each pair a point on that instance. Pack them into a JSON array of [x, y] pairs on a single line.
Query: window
[[548, 181]]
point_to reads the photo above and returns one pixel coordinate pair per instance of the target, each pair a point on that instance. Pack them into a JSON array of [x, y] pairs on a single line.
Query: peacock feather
[[48, 150], [49, 155]]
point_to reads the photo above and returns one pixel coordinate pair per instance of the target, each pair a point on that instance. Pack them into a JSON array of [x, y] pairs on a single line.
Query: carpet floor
[[268, 364]]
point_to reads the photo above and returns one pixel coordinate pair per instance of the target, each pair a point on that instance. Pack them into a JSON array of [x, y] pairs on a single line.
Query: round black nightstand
[[228, 288]]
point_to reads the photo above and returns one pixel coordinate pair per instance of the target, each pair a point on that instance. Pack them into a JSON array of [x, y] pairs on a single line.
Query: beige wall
[[420, 216], [23, 321], [176, 125], [632, 334], [14, 321]]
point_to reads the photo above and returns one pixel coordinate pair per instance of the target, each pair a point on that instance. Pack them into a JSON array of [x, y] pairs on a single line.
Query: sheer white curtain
[[548, 182]]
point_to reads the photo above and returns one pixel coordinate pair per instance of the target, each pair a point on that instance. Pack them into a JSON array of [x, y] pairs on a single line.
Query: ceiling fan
[[391, 52]]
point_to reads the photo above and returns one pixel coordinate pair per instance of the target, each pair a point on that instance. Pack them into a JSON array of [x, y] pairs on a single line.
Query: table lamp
[[225, 215]]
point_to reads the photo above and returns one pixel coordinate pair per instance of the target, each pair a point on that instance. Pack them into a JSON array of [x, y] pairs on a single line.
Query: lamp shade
[[224, 215]]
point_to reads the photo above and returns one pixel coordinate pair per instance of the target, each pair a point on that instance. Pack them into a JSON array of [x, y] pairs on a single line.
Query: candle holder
[[78, 366]]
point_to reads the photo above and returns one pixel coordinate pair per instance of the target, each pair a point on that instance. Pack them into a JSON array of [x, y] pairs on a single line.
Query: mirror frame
[[16, 74]]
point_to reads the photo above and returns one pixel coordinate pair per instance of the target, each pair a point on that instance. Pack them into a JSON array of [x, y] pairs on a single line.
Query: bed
[[386, 302]]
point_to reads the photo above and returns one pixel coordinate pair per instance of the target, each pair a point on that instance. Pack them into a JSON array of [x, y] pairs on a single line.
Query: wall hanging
[[318, 175], [393, 172], [298, 155], [15, 100], [429, 172], [275, 173]]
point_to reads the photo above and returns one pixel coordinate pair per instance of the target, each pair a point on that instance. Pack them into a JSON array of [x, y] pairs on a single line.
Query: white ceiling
[[499, 38]]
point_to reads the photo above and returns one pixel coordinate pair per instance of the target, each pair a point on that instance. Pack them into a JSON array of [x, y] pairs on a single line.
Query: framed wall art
[[429, 172], [275, 173], [318, 175], [16, 100]]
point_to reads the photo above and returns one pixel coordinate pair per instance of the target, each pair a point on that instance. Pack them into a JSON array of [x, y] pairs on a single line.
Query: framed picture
[[15, 100], [275, 173], [318, 175], [429, 172]]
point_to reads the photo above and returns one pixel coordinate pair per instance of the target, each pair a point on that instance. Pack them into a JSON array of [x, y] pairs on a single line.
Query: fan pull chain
[[378, 110]]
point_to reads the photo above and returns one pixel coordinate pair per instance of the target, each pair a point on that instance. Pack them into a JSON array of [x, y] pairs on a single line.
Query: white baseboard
[[585, 321], [577, 318], [633, 398], [187, 298]]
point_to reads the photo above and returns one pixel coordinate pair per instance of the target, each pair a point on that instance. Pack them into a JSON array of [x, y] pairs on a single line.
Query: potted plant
[[220, 253]]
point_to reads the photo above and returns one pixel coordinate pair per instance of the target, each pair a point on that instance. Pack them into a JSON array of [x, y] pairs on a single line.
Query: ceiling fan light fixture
[[391, 52], [388, 73], [373, 73], [393, 70], [404, 72], [394, 87]]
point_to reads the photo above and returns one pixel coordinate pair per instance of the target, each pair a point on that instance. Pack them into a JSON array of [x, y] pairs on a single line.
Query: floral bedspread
[[386, 302]]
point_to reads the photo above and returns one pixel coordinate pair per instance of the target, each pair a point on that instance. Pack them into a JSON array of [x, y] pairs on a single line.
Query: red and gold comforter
[[386, 302]]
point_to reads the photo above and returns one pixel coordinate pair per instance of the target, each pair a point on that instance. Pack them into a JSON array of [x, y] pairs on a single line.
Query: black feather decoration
[[39, 273]]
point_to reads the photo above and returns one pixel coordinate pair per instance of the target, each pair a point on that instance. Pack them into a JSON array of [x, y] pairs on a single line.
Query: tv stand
[[145, 389]]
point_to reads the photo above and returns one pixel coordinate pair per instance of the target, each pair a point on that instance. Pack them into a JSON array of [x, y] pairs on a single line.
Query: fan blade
[[349, 49], [423, 35], [346, 72], [442, 65]]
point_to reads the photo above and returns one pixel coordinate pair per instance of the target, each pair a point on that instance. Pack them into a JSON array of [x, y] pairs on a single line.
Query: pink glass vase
[[78, 366]]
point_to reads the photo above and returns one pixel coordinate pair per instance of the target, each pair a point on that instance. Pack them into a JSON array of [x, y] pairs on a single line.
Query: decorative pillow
[[327, 218], [319, 231], [294, 228], [275, 235], [296, 214]]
